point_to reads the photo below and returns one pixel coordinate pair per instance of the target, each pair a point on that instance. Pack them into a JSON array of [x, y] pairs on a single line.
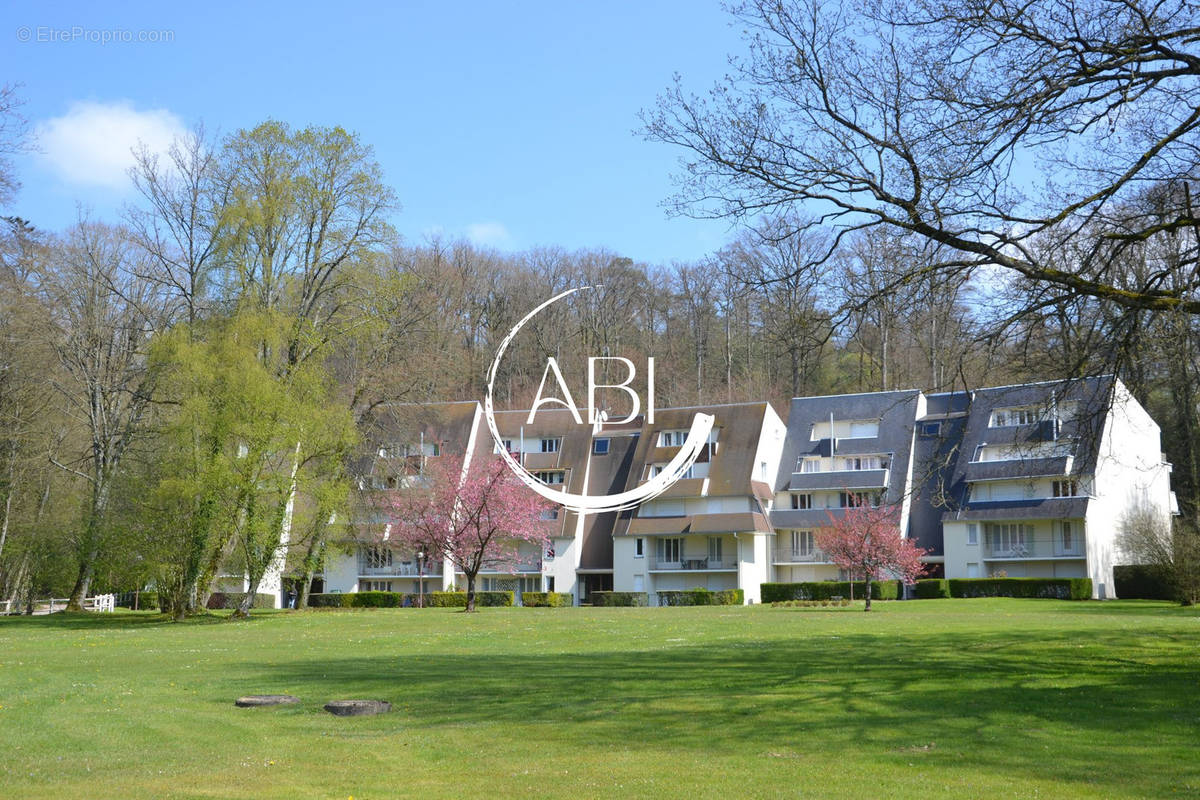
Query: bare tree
[[932, 118], [104, 315]]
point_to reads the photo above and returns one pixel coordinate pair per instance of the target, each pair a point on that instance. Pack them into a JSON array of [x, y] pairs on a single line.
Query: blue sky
[[510, 123]]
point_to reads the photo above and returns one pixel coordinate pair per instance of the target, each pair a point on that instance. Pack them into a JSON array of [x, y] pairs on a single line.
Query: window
[[1008, 417], [1068, 488], [550, 513], [550, 445], [550, 477], [672, 438], [435, 449], [762, 470], [639, 548], [972, 534], [803, 543], [669, 549], [506, 444], [931, 428], [714, 549], [656, 469], [1068, 538], [802, 502], [1010, 537], [377, 556], [375, 586], [600, 447], [858, 499], [856, 463], [810, 465]]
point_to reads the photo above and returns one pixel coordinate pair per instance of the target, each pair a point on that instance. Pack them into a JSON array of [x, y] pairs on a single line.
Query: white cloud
[[91, 145], [489, 234]]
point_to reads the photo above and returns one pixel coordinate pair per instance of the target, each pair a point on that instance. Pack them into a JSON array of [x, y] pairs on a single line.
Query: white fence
[[101, 603]]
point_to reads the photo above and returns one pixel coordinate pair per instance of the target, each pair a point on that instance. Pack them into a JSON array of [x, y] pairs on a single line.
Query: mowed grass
[[937, 698]]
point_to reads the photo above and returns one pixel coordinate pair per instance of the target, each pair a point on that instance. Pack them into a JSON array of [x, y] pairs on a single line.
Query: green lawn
[[935, 698]]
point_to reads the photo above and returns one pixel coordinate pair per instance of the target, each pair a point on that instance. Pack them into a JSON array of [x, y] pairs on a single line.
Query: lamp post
[[420, 579]]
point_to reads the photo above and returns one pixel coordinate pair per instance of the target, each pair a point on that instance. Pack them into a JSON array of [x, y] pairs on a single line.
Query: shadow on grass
[[88, 620], [1022, 704]]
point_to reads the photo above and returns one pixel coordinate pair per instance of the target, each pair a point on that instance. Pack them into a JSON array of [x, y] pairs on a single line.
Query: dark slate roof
[[934, 458], [1092, 397], [1047, 508], [896, 412]]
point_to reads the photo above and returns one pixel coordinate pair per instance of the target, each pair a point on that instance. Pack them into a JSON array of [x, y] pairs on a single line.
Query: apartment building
[[712, 528], [1032, 480], [1029, 480]]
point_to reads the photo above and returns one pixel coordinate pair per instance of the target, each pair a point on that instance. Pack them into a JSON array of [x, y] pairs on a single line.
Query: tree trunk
[[8, 494], [91, 545], [470, 592], [867, 592]]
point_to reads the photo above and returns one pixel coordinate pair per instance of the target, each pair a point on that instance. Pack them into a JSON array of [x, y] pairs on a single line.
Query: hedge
[[231, 600], [546, 599], [459, 599], [930, 588], [619, 598], [1048, 588], [1143, 582], [146, 601], [824, 590], [702, 597]]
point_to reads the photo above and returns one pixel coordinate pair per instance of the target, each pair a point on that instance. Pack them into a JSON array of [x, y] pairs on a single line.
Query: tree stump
[[357, 708], [262, 700]]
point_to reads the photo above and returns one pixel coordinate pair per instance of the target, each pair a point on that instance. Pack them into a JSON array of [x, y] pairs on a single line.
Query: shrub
[[492, 599], [1143, 581], [231, 600], [619, 599], [146, 601], [1046, 588], [446, 599], [377, 599], [931, 588], [330, 600], [702, 597], [827, 590], [546, 599]]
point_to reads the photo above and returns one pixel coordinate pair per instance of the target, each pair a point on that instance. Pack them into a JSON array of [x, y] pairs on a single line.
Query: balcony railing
[[522, 566], [687, 564], [1036, 548], [790, 556], [400, 569]]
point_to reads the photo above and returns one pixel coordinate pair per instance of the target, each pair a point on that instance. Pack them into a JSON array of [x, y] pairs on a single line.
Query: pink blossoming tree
[[477, 520], [866, 541]]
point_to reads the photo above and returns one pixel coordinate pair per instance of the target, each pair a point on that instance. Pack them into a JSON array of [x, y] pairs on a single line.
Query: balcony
[[840, 479], [790, 556], [399, 569], [1035, 549], [519, 568], [687, 564]]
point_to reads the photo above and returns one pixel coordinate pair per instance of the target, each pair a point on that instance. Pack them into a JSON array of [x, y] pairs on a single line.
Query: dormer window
[[672, 438], [551, 445], [1011, 417], [1066, 488]]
